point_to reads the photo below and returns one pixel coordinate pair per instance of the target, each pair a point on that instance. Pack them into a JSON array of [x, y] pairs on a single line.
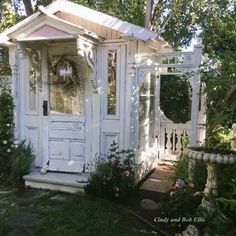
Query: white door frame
[[46, 119]]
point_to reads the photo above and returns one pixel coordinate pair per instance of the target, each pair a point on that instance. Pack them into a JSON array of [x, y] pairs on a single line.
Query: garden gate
[[152, 132]]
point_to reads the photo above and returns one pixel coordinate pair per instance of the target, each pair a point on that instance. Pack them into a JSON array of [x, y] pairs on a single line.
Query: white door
[[63, 115]]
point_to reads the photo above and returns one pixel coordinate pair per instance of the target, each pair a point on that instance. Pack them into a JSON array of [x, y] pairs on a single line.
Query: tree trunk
[[148, 13], [28, 7]]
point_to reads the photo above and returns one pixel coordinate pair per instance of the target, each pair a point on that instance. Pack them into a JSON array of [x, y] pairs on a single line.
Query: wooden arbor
[[159, 135]]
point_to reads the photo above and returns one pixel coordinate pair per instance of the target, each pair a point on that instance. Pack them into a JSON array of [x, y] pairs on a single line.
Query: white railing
[[172, 136]]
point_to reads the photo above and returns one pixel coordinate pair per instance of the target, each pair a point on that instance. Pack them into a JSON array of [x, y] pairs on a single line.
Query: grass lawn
[[36, 212]]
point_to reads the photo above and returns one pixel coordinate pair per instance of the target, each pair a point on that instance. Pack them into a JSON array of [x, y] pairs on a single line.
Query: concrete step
[[64, 182]]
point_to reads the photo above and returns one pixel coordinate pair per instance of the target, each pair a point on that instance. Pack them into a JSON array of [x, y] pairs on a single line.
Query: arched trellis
[[167, 63]]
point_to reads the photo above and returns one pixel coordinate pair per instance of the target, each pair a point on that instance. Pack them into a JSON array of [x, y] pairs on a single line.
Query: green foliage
[[226, 181], [180, 206], [4, 65], [219, 72], [114, 175], [8, 17], [181, 169], [199, 176], [21, 161], [6, 130], [228, 206], [15, 160], [73, 215], [175, 98], [178, 20]]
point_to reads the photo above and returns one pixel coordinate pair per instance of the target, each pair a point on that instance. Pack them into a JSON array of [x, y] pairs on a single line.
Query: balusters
[[168, 141], [162, 139], [178, 144]]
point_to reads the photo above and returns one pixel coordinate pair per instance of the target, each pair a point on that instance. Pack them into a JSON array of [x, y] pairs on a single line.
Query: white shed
[[76, 77]]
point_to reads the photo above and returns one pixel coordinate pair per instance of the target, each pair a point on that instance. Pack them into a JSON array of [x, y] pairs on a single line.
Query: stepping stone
[[59, 197], [148, 204], [32, 193], [5, 191], [18, 232], [3, 201], [23, 218], [2, 211]]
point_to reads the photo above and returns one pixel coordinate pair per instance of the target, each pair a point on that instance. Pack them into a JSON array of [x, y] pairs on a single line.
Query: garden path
[[159, 181]]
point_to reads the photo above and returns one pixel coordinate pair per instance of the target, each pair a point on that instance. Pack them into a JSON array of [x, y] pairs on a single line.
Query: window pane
[[34, 57], [111, 95], [32, 90], [66, 93]]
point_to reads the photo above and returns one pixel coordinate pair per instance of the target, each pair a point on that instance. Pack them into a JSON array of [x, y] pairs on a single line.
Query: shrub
[[114, 175], [200, 173], [181, 169], [6, 130], [21, 161], [178, 208], [15, 160]]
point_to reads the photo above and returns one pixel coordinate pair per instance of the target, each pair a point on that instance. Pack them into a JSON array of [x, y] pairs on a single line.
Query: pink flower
[[116, 189], [108, 178], [126, 173]]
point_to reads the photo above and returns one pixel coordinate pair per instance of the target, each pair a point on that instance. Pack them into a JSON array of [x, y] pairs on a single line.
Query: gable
[[46, 31], [48, 27]]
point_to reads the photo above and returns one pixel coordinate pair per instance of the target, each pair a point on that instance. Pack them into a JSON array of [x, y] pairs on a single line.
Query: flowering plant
[[6, 130], [114, 174], [15, 157]]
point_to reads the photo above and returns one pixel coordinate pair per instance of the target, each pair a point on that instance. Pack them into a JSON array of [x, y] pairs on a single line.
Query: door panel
[[66, 119], [66, 143]]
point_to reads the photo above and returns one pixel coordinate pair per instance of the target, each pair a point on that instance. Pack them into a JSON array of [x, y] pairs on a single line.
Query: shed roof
[[124, 28]]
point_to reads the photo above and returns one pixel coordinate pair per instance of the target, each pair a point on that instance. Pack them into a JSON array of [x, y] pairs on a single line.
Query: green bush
[[15, 159], [200, 176], [21, 161], [181, 169], [114, 175], [200, 173], [6, 130], [178, 207]]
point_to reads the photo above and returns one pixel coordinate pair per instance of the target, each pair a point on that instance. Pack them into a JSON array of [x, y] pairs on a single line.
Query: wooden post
[[146, 130], [13, 60], [158, 110], [195, 95], [202, 117], [195, 105]]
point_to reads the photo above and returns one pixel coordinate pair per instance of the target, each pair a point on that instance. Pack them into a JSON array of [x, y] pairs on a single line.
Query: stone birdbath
[[211, 157]]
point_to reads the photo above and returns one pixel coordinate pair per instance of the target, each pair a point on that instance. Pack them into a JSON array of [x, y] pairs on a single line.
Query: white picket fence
[[172, 138]]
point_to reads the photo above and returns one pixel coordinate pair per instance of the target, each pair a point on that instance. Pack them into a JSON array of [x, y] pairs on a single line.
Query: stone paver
[[59, 197], [148, 204], [19, 232], [159, 181], [23, 219]]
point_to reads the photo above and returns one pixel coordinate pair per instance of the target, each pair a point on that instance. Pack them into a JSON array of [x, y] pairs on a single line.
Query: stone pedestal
[[233, 138]]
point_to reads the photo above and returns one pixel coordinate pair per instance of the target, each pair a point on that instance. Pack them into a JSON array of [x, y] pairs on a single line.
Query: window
[[112, 80], [34, 58], [66, 94]]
